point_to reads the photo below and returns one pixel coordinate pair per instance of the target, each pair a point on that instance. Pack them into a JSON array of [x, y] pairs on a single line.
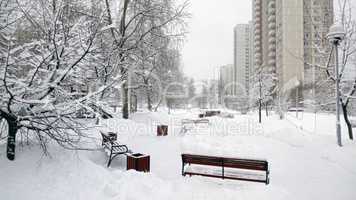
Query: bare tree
[[137, 20], [264, 89], [57, 57], [45, 70]]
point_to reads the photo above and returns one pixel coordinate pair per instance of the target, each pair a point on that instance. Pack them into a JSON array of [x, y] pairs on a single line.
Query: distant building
[[213, 93], [226, 81], [242, 59]]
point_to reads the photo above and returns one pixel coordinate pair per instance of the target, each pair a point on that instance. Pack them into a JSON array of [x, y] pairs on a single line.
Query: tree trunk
[[125, 102], [148, 95], [149, 104], [346, 118], [11, 139], [260, 112], [159, 103], [169, 106], [134, 103], [266, 104]]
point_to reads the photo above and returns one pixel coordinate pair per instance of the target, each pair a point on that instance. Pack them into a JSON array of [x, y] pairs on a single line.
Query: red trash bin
[[139, 162], [162, 130]]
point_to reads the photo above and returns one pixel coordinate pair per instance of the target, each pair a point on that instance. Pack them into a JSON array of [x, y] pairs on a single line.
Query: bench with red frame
[[225, 163], [210, 113], [112, 147], [187, 124]]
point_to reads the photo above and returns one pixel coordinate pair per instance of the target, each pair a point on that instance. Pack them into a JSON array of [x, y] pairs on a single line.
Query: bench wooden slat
[[205, 162], [202, 174], [225, 177], [227, 158]]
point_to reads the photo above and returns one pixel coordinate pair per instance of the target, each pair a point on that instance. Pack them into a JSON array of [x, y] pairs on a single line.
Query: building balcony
[[257, 31], [257, 14], [272, 40], [272, 33], [272, 25], [257, 3], [257, 45], [272, 54], [272, 62], [257, 19], [258, 63], [271, 11], [272, 4], [256, 42], [258, 55], [272, 18], [257, 7], [272, 47]]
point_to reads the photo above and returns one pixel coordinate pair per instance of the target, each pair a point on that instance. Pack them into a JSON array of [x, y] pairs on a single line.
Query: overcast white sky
[[210, 41]]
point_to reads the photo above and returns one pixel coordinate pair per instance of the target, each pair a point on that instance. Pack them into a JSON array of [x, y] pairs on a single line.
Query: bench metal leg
[[183, 174], [223, 172], [109, 162], [223, 169], [267, 177], [110, 159]]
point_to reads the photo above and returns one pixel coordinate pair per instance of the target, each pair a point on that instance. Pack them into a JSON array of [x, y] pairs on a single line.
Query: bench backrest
[[201, 121], [108, 137], [260, 165], [249, 164], [187, 121], [202, 160]]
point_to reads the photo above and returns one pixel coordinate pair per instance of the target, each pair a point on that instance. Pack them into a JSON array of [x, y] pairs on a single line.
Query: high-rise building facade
[[318, 17], [252, 60], [242, 59], [289, 38]]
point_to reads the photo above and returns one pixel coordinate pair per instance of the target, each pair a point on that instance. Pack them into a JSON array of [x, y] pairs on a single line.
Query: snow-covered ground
[[305, 161]]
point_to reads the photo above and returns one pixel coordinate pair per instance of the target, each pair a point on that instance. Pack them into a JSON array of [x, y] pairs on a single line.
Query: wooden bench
[[186, 122], [194, 121], [112, 147], [212, 113], [224, 164]]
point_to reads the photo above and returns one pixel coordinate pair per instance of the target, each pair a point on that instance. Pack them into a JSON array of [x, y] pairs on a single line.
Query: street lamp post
[[260, 102], [260, 98], [296, 98], [335, 36]]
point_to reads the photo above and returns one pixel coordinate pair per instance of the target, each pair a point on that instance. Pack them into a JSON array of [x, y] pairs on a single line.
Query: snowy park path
[[303, 165]]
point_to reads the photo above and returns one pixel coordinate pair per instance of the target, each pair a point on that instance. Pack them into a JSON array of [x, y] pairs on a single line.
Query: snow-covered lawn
[[305, 163]]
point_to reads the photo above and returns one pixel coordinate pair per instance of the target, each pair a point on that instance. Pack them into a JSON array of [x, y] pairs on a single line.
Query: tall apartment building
[[242, 59], [289, 38]]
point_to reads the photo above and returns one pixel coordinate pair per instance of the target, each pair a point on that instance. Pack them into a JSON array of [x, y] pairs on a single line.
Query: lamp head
[[336, 33]]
